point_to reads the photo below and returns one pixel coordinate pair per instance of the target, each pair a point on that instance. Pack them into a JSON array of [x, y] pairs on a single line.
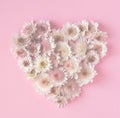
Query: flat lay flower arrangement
[[60, 60]]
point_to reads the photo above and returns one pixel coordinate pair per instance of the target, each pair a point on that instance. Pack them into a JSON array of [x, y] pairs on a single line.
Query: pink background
[[98, 100]]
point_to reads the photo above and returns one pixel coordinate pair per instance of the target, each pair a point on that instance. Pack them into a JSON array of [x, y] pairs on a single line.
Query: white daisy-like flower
[[43, 83], [100, 36], [42, 63], [70, 89], [71, 66], [93, 26], [83, 26], [19, 40], [57, 35], [32, 73], [25, 63], [28, 29], [80, 48], [70, 31], [99, 47], [54, 92], [61, 101], [19, 52], [86, 74], [63, 50], [33, 50], [58, 77], [92, 29], [92, 58], [43, 28]]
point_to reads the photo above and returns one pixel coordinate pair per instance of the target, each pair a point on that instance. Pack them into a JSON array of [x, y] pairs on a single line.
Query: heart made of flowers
[[60, 61]]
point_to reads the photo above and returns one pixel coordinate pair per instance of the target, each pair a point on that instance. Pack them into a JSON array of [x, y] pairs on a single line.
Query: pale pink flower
[[43, 28], [99, 47], [58, 35], [70, 31], [72, 66], [100, 36], [33, 49], [25, 63], [19, 40], [54, 92], [57, 76], [45, 46], [86, 74], [80, 49], [43, 83], [61, 101], [92, 29], [63, 50], [70, 89], [92, 58], [19, 52], [83, 26], [28, 29]]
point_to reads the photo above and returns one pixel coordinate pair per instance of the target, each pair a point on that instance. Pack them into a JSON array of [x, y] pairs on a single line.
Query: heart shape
[[60, 61]]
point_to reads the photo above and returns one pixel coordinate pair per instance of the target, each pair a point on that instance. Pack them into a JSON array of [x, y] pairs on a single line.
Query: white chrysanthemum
[[71, 66], [47, 45], [70, 31], [80, 48], [92, 58], [28, 29], [33, 50], [19, 52], [100, 36], [42, 64], [43, 28], [54, 92], [83, 27], [63, 50], [93, 26], [57, 35], [70, 89], [32, 73], [19, 40], [25, 63], [92, 29], [86, 74], [58, 77], [61, 101], [43, 83], [99, 47]]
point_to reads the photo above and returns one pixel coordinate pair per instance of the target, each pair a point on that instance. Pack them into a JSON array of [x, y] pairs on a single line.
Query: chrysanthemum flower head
[[43, 28], [43, 83], [86, 74], [19, 40], [70, 31], [58, 77], [58, 35], [28, 29], [71, 89], [42, 63], [80, 48], [63, 50], [25, 63], [71, 66]]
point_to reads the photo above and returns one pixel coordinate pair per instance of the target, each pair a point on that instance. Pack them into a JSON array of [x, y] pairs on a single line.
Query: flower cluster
[[60, 61]]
